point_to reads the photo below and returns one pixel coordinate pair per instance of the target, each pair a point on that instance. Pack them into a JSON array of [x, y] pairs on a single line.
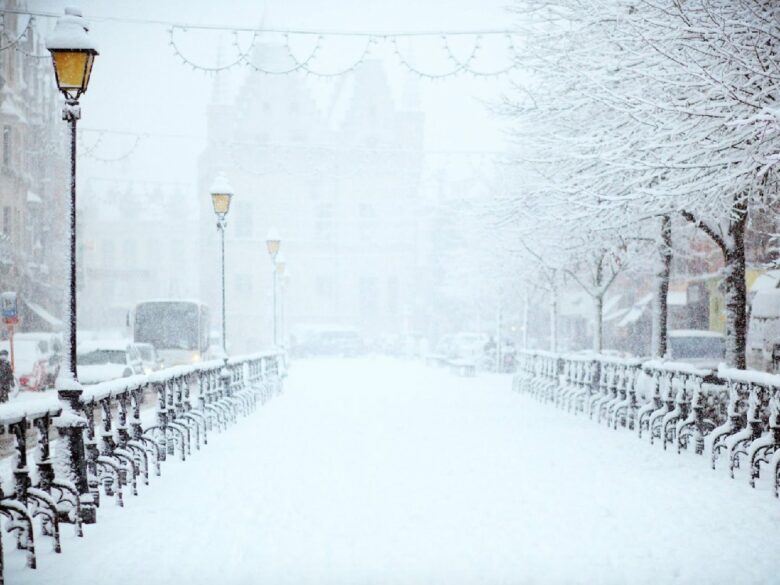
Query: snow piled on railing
[[748, 377], [48, 403], [13, 412], [676, 367]]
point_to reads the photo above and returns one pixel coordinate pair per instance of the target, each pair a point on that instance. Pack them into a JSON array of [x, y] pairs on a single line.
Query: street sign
[[9, 307]]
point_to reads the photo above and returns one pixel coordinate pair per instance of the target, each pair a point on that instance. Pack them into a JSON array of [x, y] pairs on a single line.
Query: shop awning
[[44, 315]]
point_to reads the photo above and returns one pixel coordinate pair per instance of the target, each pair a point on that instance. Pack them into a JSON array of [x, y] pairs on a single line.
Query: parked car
[[468, 346], [342, 341], [763, 337], [31, 363], [150, 360], [50, 344], [705, 349], [102, 360], [444, 345]]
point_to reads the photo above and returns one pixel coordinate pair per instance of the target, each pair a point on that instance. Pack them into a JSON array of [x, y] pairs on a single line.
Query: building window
[[392, 295], [325, 231], [368, 299], [368, 224], [7, 221], [7, 146]]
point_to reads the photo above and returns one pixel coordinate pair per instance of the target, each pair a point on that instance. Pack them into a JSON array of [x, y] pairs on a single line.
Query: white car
[[102, 360], [468, 346]]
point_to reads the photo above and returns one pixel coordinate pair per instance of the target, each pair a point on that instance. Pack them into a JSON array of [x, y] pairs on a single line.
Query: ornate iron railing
[[727, 414], [108, 439]]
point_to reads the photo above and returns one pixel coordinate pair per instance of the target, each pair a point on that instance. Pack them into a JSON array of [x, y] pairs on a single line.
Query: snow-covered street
[[381, 471]]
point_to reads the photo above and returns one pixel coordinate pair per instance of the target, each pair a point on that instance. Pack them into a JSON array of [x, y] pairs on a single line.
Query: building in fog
[[137, 241], [339, 181], [33, 177]]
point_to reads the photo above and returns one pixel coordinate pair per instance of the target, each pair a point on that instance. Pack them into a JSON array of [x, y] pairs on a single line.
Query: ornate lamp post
[[284, 308], [279, 274], [73, 53], [272, 243], [221, 194]]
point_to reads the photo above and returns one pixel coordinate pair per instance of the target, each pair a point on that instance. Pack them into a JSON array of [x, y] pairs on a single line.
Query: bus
[[178, 329]]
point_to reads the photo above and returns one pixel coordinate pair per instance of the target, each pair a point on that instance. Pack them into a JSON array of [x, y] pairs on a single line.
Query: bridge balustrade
[[728, 414], [107, 440]]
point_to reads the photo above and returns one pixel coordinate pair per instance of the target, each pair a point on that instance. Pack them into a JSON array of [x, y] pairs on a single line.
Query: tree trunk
[[734, 285], [736, 288], [660, 307], [554, 319], [599, 323], [525, 320]]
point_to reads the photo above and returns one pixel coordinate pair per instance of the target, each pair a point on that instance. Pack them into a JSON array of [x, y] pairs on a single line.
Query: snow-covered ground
[[377, 471]]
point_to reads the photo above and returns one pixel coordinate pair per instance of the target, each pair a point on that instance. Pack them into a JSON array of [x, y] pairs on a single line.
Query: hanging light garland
[[90, 150], [297, 65], [6, 42], [242, 56]]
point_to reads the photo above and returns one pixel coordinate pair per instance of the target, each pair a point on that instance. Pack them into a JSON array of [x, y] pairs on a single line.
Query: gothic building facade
[[339, 179]]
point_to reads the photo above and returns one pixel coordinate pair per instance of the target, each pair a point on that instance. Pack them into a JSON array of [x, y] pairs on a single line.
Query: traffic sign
[[9, 307]]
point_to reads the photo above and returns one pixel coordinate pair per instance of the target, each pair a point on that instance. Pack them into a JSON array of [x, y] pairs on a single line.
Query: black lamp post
[[272, 243], [221, 194], [73, 53], [279, 274]]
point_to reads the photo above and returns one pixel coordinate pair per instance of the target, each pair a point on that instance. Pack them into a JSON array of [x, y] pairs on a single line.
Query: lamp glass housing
[[221, 202], [273, 247], [280, 266], [72, 68]]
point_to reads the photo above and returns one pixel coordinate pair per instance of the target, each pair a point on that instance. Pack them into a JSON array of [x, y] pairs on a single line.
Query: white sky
[[138, 85]]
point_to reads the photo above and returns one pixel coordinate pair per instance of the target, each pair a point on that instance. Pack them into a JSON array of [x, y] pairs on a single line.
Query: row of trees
[[637, 116]]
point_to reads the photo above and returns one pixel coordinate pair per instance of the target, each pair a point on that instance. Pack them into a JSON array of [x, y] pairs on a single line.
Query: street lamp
[[273, 242], [221, 194], [279, 267], [285, 289], [73, 53]]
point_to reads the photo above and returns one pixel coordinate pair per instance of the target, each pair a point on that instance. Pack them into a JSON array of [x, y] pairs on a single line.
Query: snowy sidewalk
[[377, 471]]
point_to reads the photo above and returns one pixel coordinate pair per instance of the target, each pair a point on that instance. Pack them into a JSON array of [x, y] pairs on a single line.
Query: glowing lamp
[[221, 194], [73, 53], [273, 242], [280, 264]]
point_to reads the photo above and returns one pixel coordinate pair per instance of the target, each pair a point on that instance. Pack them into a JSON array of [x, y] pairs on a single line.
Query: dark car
[[341, 342]]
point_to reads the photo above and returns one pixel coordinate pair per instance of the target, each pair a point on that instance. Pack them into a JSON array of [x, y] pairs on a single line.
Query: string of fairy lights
[[247, 44], [243, 55], [368, 43]]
